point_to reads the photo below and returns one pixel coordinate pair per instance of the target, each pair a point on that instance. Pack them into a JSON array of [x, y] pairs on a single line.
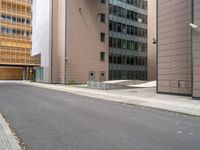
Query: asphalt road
[[53, 120]]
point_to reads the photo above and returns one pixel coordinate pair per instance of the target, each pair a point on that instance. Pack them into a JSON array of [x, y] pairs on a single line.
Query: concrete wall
[[174, 46], [196, 58], [151, 35]]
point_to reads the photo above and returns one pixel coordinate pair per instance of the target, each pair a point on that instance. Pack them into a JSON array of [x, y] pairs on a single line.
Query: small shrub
[[71, 82]]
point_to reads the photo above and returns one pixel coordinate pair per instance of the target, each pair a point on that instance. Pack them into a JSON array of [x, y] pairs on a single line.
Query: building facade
[[90, 40], [15, 39], [72, 38], [178, 49], [128, 39]]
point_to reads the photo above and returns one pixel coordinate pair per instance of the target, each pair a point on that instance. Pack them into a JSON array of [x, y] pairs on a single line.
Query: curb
[[181, 108], [7, 139], [125, 99]]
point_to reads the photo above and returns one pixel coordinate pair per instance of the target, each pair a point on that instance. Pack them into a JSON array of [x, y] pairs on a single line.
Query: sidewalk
[[7, 140], [146, 97]]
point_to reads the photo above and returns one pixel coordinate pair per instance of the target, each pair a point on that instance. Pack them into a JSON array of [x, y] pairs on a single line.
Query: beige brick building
[[74, 35], [178, 48]]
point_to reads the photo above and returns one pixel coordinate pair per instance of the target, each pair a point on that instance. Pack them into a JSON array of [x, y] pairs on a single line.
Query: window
[[102, 36], [14, 31], [3, 16], [23, 20], [28, 21], [102, 56], [19, 20], [14, 19], [28, 33], [18, 32], [119, 59], [132, 15], [103, 18], [9, 17], [3, 30], [110, 59], [103, 1]]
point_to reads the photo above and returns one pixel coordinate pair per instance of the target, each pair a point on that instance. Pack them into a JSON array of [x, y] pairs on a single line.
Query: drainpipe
[[192, 48], [157, 46], [65, 59], [193, 27], [51, 43]]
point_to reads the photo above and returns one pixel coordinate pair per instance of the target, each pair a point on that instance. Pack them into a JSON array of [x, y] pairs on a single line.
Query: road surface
[[52, 120]]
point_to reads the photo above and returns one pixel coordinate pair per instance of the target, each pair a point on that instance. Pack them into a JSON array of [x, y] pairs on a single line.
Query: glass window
[[103, 1], [102, 56], [103, 18], [102, 37]]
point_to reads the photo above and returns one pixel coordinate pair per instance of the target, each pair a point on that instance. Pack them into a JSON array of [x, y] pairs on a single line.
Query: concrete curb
[[7, 139]]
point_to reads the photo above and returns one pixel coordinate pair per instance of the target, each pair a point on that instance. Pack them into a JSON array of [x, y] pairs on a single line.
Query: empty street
[[52, 120]]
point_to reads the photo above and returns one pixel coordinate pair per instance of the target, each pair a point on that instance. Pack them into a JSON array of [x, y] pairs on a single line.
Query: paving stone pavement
[[7, 139]]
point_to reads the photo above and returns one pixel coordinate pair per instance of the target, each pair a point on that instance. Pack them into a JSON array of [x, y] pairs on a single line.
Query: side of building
[[76, 48], [87, 40], [15, 39], [178, 47], [128, 40]]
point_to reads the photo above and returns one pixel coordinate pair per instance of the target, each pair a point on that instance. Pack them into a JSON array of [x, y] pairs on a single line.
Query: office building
[[72, 38], [90, 40], [178, 48], [128, 39], [15, 39]]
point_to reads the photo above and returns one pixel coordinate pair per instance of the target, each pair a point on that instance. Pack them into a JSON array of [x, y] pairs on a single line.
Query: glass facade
[[128, 39]]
